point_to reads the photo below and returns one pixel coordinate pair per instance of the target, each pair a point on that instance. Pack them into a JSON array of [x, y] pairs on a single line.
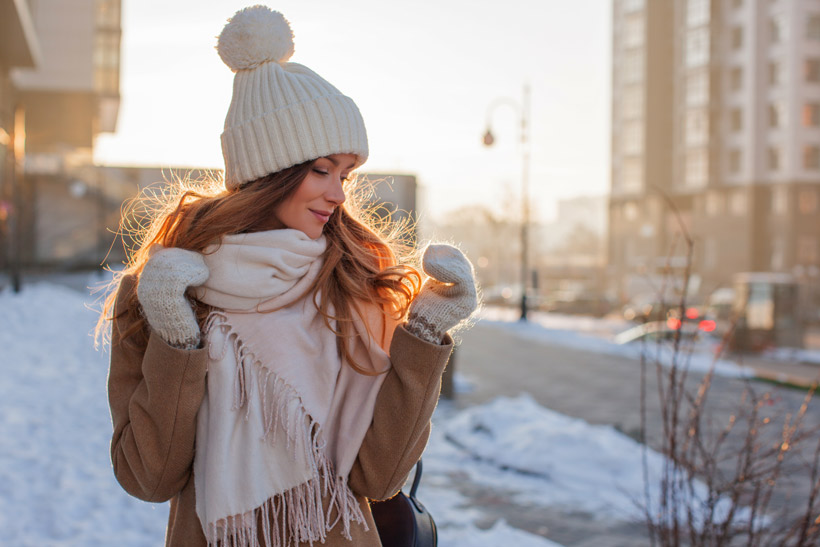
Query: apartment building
[[715, 134], [19, 47], [64, 99]]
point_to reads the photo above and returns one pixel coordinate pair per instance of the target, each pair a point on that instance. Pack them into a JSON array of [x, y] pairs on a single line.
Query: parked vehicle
[[578, 303], [767, 312], [645, 308], [654, 331]]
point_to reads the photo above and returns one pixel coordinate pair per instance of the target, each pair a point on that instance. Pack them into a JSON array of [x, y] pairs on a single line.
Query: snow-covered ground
[[57, 487], [597, 335]]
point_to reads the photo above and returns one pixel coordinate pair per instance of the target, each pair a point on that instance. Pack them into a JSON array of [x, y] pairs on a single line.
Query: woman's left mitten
[[447, 298]]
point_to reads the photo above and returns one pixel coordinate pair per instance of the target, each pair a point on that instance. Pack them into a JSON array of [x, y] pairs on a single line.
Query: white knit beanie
[[281, 113]]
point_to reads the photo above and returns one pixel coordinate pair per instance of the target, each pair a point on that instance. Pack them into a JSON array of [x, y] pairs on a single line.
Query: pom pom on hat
[[254, 36]]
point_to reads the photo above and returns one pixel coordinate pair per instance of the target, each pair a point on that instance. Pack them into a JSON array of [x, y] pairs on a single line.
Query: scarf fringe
[[298, 513], [290, 518]]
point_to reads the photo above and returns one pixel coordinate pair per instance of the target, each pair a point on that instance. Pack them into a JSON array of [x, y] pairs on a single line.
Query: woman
[[273, 367]]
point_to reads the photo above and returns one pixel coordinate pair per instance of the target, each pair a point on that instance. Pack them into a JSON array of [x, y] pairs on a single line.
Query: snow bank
[[555, 460]]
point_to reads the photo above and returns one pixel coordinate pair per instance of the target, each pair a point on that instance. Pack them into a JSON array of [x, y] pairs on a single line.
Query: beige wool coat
[[155, 391]]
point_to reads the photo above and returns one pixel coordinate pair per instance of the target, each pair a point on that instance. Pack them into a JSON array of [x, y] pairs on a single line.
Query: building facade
[[715, 136], [63, 97], [19, 47]]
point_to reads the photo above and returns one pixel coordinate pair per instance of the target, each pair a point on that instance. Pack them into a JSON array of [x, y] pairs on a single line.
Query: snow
[[551, 459], [57, 487], [596, 335]]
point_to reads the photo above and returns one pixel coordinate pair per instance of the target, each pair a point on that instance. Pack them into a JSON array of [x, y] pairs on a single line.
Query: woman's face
[[310, 206]]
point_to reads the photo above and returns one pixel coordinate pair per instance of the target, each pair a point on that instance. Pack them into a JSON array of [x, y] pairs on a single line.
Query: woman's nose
[[336, 193]]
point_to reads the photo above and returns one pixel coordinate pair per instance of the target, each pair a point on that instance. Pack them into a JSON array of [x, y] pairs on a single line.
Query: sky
[[424, 75]]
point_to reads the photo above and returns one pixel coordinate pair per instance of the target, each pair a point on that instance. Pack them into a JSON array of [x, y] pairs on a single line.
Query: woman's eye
[[320, 171]]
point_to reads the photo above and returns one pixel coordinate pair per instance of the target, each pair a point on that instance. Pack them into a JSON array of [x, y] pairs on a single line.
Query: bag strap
[[416, 481]]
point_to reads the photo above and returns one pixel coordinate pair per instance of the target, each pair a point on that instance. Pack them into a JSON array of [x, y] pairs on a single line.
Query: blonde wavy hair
[[368, 261]]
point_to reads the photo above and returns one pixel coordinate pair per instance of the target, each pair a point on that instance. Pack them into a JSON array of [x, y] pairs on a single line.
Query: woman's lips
[[323, 216]]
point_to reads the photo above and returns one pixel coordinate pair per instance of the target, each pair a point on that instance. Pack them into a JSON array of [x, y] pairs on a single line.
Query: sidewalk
[[794, 374]]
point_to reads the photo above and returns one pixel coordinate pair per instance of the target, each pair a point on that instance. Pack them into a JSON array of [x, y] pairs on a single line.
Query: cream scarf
[[283, 418]]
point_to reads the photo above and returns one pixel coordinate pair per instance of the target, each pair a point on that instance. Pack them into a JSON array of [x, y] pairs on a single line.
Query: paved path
[[601, 389]]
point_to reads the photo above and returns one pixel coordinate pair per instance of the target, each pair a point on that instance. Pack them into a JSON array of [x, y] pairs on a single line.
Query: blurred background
[[618, 171], [567, 147]]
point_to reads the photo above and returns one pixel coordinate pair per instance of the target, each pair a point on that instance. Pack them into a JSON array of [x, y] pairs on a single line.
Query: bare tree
[[722, 481]]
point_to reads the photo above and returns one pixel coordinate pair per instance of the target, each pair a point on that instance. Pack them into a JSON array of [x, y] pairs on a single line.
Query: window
[[108, 13], [632, 175], [737, 38], [813, 27], [697, 167], [780, 201], [735, 78], [776, 111], [697, 12], [774, 73], [776, 29], [807, 201], [734, 161], [630, 211], [632, 5], [634, 30], [737, 203], [811, 70], [710, 252], [714, 204], [632, 105], [736, 119], [807, 250], [773, 155], [777, 259], [697, 88], [697, 127], [633, 66], [633, 138], [811, 157], [811, 115], [697, 47]]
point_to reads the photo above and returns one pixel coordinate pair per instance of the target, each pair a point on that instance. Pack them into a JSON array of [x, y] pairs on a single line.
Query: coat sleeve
[[154, 392], [401, 418]]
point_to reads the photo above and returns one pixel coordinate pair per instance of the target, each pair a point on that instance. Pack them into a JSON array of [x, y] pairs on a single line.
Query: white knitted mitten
[[161, 292], [447, 297]]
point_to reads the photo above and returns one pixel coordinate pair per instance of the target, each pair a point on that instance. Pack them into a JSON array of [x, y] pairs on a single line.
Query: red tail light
[[673, 323]]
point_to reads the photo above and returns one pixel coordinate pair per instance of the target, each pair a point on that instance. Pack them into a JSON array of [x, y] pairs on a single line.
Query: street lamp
[[524, 110]]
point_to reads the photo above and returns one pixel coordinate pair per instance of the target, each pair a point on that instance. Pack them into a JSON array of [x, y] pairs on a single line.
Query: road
[[601, 389]]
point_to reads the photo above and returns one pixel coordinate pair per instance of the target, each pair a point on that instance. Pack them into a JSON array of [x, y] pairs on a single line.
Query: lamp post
[[524, 110]]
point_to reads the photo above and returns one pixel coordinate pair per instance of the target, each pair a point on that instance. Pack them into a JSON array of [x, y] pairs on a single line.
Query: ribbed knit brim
[[285, 114]]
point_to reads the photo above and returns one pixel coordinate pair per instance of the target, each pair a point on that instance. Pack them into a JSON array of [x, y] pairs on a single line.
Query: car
[[654, 331], [578, 303]]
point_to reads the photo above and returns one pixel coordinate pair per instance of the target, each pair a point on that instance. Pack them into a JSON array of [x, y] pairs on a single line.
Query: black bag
[[402, 521]]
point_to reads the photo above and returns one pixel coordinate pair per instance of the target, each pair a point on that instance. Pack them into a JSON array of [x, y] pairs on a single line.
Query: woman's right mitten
[[161, 292]]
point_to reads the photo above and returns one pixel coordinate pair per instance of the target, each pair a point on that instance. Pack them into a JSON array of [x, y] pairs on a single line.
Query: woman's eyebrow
[[336, 162]]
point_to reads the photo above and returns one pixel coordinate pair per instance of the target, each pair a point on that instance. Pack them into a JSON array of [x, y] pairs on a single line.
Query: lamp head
[[488, 138]]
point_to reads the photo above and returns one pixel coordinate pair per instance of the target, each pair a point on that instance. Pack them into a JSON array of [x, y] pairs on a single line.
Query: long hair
[[367, 261]]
